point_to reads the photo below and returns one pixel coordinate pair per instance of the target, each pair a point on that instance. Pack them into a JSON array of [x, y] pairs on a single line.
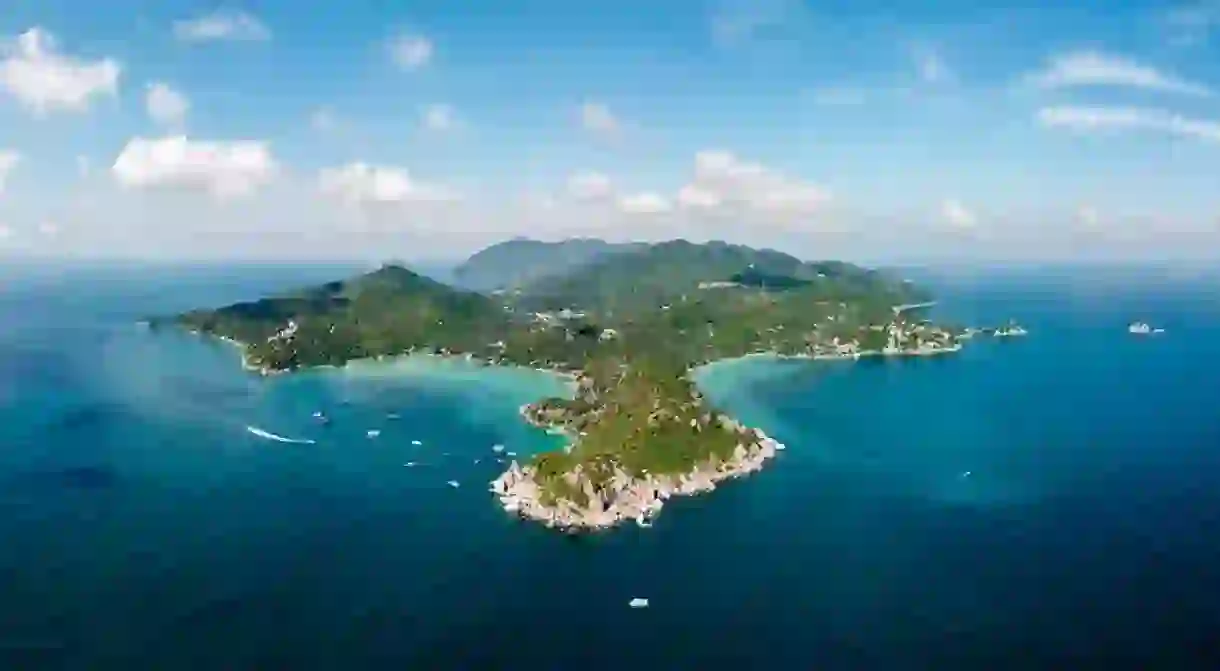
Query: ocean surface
[[1043, 502]]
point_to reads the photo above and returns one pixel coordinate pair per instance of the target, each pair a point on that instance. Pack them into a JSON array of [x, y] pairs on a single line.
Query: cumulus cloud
[[222, 25], [364, 183], [1096, 69], [590, 186], [222, 169], [597, 118], [694, 198], [956, 214], [722, 178], [1098, 119], [410, 51], [43, 79], [8, 162], [165, 105], [439, 118], [644, 203]]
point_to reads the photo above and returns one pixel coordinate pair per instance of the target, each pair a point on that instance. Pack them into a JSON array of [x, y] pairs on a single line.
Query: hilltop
[[518, 262], [630, 324]]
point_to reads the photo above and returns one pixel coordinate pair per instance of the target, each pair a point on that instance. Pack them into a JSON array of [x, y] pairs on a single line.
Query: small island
[[628, 324]]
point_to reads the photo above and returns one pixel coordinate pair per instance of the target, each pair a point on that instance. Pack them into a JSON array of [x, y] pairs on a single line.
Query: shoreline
[[626, 498], [623, 497], [571, 379]]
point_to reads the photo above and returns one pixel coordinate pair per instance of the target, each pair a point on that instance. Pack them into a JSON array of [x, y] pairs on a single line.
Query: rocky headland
[[624, 497]]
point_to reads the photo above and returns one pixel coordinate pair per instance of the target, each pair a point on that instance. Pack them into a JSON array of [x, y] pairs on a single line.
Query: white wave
[[276, 437]]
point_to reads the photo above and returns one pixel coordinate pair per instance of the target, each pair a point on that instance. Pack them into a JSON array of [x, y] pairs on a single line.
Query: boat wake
[[278, 438]]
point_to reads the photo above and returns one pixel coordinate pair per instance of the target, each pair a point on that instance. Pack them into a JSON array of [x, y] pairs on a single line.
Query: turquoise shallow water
[[144, 527]]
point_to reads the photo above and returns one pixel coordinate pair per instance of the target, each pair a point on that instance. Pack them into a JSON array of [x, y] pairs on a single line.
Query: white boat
[[638, 603], [454, 483], [1139, 328], [417, 443], [372, 433]]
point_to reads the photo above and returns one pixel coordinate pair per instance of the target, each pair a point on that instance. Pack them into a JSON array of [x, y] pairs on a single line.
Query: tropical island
[[628, 323]]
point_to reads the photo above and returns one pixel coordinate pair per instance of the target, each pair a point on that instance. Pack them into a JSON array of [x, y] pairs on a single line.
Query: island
[[628, 324]]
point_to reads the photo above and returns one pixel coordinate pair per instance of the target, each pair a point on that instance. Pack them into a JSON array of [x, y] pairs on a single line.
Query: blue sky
[[426, 129]]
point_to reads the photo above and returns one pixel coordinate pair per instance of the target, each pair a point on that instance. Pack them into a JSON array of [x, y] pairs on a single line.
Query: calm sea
[[1053, 500]]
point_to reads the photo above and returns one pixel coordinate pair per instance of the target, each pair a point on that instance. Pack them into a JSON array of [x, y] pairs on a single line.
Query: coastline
[[622, 497], [626, 498], [571, 379]]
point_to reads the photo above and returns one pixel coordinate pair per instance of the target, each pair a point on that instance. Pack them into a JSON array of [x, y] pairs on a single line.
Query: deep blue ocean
[[1051, 501]]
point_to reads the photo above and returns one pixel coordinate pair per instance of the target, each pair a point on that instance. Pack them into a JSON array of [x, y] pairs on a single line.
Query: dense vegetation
[[642, 280], [632, 321], [520, 261]]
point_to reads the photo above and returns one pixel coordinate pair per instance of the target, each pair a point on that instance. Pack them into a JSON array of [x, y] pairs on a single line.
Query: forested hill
[[520, 261], [660, 296], [646, 277], [384, 311]]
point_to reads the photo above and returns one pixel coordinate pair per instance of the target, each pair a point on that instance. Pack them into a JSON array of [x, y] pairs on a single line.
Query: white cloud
[[597, 118], [1098, 119], [722, 178], [644, 203], [590, 186], [539, 201], [1095, 69], [233, 26], [693, 198], [44, 80], [956, 214], [410, 51], [439, 118], [8, 162], [363, 183], [223, 169], [166, 106]]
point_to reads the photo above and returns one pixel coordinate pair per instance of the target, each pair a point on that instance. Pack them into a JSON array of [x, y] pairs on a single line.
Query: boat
[[454, 483], [1139, 328], [638, 603], [372, 433]]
